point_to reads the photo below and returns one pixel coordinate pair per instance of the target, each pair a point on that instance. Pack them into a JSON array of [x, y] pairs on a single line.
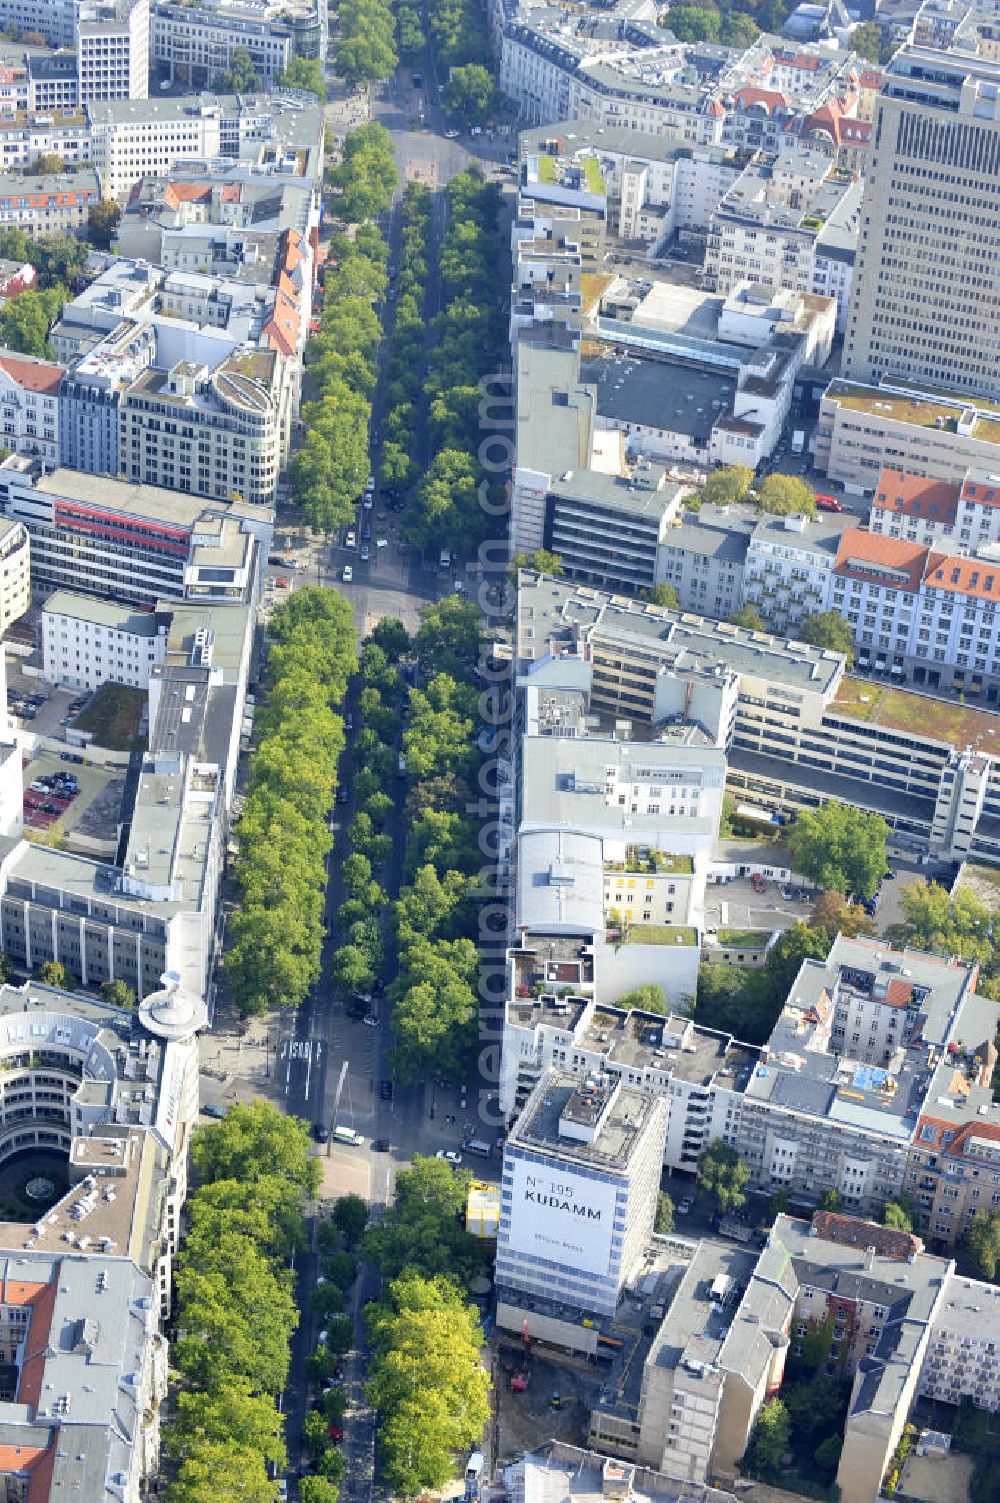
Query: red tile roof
[[931, 1132], [852, 1231], [963, 576], [770, 98], [33, 375], [885, 561], [983, 492], [916, 496]]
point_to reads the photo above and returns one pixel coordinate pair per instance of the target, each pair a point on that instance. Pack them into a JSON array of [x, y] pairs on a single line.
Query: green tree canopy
[[723, 1174], [305, 73], [215, 1469], [866, 41], [470, 92], [727, 485], [118, 994], [839, 846], [770, 1440], [648, 998], [427, 1381], [829, 630], [663, 594], [691, 23], [664, 1223], [539, 559], [750, 618], [254, 1139], [233, 1413], [447, 640], [425, 1229], [784, 494], [241, 75], [980, 1248], [25, 321], [103, 220]]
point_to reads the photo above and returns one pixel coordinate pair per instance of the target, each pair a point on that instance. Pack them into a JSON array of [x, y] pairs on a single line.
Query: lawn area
[[592, 289], [546, 167], [904, 710], [744, 939], [592, 174], [660, 934], [113, 717]]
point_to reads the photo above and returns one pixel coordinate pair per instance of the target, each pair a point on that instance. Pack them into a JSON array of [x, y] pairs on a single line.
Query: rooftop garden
[[648, 862], [112, 717], [592, 174], [659, 934], [923, 714], [546, 167], [743, 939]]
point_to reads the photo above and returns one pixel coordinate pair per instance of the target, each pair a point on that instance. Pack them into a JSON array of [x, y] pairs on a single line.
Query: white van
[[348, 1135]]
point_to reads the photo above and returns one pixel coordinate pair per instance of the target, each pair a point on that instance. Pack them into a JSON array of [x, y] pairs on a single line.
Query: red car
[[828, 503]]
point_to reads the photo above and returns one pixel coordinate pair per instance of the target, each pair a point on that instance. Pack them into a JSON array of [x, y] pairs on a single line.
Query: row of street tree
[[366, 42], [329, 471], [428, 1384], [434, 998], [276, 934], [468, 334], [236, 1308], [405, 365]]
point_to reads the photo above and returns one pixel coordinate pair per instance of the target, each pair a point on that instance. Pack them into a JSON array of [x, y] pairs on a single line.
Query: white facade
[[29, 405], [113, 50], [15, 574], [145, 141], [87, 642]]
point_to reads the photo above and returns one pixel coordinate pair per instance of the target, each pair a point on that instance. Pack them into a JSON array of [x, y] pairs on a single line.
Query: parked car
[[685, 1206], [348, 574], [370, 1021], [386, 1090], [211, 1110], [381, 1145], [450, 1156], [451, 135], [365, 553], [828, 503], [320, 1132], [351, 540]]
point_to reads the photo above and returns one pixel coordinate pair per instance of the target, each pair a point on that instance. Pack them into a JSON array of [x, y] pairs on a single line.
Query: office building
[[112, 46], [922, 308], [581, 1175], [29, 405], [208, 433], [795, 726], [196, 47], [83, 1291], [139, 138], [863, 429], [134, 543]]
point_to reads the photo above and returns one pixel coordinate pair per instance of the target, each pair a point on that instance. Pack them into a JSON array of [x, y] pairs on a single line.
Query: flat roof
[[617, 1136], [943, 720], [555, 615], [140, 500], [919, 409], [555, 410], [657, 394], [102, 612]]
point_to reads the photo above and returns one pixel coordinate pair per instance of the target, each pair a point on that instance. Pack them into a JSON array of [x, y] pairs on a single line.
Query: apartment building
[[931, 512], [864, 429], [196, 47], [135, 543], [53, 84], [655, 185], [767, 227], [15, 573], [25, 135], [55, 204], [557, 1472], [578, 1194], [795, 727], [29, 405], [87, 641], [789, 567], [926, 279], [112, 46]]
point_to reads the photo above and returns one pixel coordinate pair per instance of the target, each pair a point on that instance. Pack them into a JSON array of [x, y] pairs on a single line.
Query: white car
[[351, 540], [451, 135], [370, 1022], [450, 1155], [348, 574], [685, 1206]]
